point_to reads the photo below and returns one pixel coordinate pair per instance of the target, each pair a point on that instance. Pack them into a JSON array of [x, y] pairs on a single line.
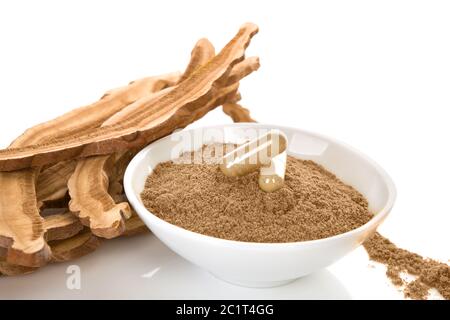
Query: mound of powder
[[313, 203], [429, 273]]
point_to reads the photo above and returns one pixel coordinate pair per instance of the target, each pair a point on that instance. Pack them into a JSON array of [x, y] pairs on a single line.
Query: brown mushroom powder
[[429, 273], [313, 203]]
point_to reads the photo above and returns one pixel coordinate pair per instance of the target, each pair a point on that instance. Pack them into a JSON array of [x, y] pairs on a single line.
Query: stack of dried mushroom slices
[[61, 180]]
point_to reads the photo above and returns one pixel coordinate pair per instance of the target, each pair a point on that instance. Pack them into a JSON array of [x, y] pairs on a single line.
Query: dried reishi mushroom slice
[[91, 202], [203, 52], [116, 174], [61, 226], [237, 112], [134, 226], [243, 69], [93, 115], [239, 71], [8, 269], [52, 182], [79, 244], [224, 95], [21, 227], [58, 226], [93, 188], [160, 117], [86, 242], [75, 247]]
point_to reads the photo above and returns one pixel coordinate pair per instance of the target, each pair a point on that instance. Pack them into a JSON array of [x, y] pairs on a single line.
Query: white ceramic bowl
[[265, 264]]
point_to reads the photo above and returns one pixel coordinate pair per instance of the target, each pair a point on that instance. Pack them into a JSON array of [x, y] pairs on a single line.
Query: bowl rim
[[133, 198]]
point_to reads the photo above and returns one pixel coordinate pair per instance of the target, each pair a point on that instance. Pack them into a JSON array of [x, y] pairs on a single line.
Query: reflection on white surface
[[143, 268], [151, 273]]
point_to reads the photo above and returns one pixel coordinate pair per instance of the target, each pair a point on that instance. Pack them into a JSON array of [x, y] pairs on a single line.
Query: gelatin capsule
[[271, 178], [254, 154], [267, 153]]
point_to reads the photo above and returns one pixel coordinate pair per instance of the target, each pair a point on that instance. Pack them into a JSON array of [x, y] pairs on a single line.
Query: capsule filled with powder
[[271, 178], [259, 154]]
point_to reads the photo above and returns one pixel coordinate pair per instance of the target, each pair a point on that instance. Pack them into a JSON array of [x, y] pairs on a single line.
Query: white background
[[375, 74]]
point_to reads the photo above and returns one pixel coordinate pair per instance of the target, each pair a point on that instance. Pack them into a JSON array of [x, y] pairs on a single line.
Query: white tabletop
[[141, 267]]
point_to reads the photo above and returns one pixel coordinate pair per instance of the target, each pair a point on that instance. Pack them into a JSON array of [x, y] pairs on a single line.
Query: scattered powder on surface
[[428, 273], [416, 290], [313, 203], [393, 273]]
